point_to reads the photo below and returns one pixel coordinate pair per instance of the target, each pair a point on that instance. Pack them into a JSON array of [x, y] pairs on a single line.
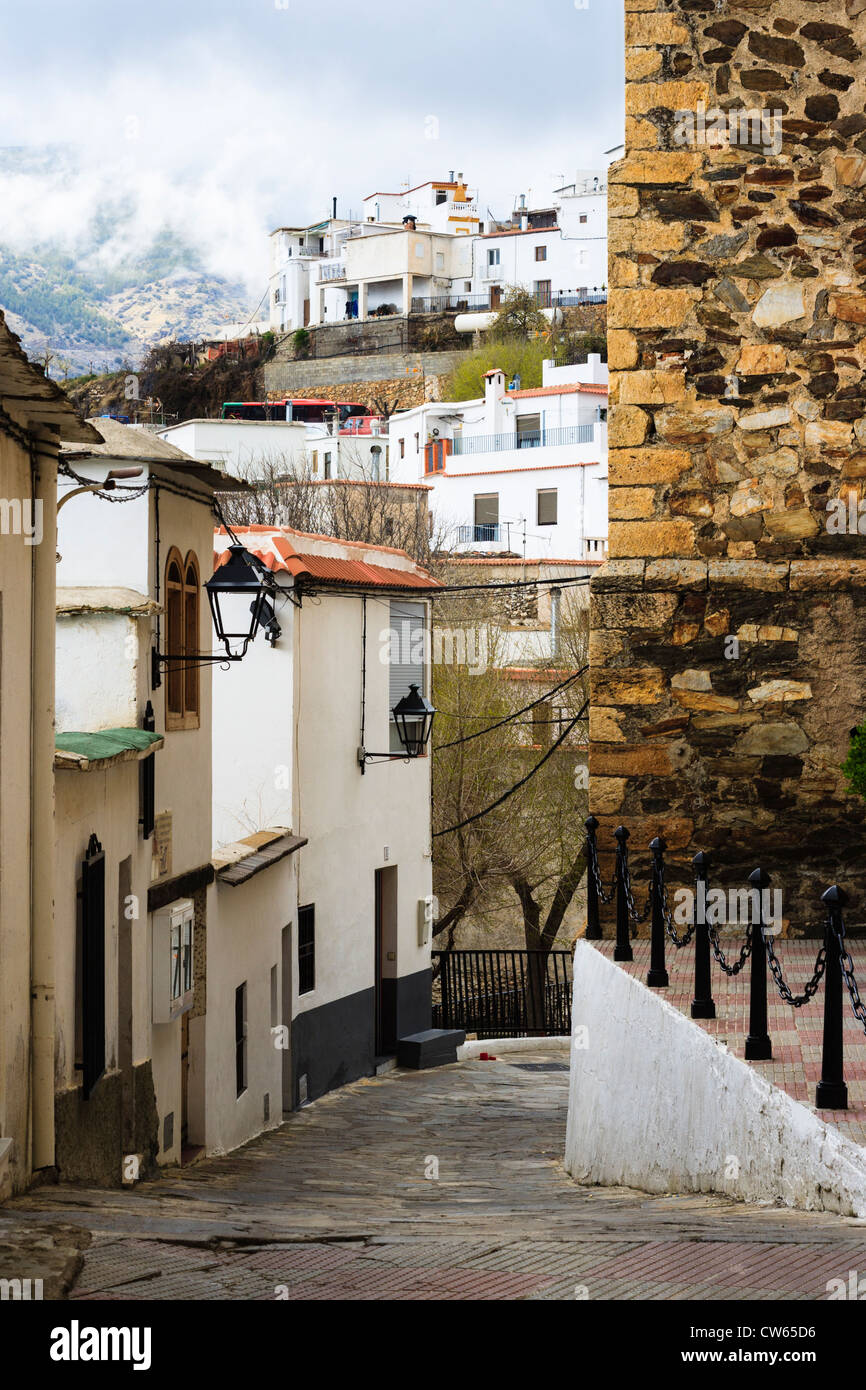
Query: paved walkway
[[336, 1205], [796, 1034]]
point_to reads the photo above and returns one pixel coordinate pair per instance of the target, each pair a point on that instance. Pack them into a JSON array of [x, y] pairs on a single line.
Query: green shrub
[[854, 766]]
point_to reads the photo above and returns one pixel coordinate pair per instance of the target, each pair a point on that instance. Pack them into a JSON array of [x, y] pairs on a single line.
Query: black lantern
[[240, 594], [413, 716]]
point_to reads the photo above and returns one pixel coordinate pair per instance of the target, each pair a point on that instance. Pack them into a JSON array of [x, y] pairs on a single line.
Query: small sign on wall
[[160, 863]]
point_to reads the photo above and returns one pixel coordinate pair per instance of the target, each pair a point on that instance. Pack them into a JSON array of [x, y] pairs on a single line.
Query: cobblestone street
[[336, 1205]]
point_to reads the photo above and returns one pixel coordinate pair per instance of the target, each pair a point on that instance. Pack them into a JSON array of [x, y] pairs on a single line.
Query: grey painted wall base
[[336, 1043]]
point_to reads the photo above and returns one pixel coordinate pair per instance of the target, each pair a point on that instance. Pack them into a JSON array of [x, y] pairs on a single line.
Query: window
[[486, 526], [493, 256], [306, 949], [417, 443], [327, 462], [547, 506], [402, 448], [173, 975], [182, 590], [467, 285], [241, 1038], [541, 253], [315, 467], [376, 462], [528, 431], [441, 197], [275, 997], [407, 658], [582, 217]]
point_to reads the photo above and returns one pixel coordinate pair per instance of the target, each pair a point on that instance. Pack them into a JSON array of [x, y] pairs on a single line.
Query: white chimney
[[494, 393]]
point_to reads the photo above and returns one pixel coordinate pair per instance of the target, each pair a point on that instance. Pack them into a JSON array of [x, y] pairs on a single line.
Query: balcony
[[335, 271], [526, 439], [454, 303], [478, 533]]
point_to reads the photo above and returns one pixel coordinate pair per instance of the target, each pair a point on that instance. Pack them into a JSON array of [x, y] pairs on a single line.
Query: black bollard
[[702, 1004], [831, 1092], [657, 975], [758, 1045], [593, 924], [623, 949]]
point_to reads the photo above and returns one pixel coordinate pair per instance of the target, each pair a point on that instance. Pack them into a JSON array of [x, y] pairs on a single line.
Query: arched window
[[182, 589]]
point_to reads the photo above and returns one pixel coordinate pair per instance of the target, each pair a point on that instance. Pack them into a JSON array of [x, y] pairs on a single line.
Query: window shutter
[[147, 776], [93, 966], [407, 651]]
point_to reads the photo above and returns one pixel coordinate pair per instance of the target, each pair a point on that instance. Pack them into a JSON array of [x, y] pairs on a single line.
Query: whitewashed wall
[[655, 1103]]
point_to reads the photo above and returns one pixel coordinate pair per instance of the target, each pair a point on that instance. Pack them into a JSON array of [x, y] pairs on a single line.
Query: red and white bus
[[308, 412]]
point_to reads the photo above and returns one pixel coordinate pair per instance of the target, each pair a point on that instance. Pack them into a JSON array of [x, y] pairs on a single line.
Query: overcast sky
[[224, 118]]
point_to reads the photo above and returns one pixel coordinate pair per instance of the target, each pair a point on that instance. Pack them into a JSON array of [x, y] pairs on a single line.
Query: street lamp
[[241, 594], [413, 716]]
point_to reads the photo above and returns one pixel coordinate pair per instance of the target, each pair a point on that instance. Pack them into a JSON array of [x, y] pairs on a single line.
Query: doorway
[[386, 961]]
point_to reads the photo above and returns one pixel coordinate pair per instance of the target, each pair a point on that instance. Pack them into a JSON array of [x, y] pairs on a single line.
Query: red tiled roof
[[584, 388], [511, 560], [280, 555], [530, 468]]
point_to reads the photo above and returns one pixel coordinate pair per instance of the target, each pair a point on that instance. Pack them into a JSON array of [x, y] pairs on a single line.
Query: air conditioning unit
[[428, 911], [173, 960]]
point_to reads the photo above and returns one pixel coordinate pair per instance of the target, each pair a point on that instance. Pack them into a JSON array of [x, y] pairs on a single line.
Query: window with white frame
[[546, 514], [493, 256], [173, 930]]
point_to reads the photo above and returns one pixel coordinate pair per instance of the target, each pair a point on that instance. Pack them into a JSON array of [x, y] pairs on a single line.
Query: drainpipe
[[555, 595], [42, 813]]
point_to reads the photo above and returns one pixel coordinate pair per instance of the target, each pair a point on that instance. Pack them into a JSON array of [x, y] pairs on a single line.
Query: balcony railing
[[456, 303], [525, 439], [336, 271], [480, 531], [481, 303]]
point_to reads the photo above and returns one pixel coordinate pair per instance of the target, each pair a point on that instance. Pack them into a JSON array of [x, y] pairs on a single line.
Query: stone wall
[[729, 626], [285, 377]]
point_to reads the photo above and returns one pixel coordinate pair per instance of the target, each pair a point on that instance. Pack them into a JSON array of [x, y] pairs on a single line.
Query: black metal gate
[[504, 994]]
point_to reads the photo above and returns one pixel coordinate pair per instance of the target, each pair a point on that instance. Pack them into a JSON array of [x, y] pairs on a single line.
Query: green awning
[[77, 750]]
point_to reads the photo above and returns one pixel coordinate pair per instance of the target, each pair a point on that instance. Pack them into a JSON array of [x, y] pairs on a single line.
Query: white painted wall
[[656, 1103], [244, 943], [98, 671], [238, 446]]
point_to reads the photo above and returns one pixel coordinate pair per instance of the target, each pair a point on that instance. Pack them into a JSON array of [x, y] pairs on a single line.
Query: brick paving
[[335, 1205], [796, 1034]]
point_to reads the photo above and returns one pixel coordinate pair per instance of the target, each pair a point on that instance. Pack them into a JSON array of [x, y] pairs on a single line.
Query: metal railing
[[332, 272], [504, 994], [523, 439], [456, 303], [479, 532], [481, 303], [833, 962]]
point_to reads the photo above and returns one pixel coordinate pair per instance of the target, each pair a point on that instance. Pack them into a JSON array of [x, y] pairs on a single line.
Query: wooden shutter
[[190, 637], [147, 779], [93, 966]]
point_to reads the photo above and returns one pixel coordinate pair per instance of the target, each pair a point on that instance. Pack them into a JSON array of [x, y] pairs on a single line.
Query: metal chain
[[745, 950], [796, 1001], [633, 913], [858, 1008], [667, 916], [599, 886]]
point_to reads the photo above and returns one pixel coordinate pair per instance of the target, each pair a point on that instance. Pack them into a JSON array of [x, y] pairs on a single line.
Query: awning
[[237, 862], [81, 752]]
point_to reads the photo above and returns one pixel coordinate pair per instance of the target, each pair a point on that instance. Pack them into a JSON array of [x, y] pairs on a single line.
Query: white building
[[559, 252], [337, 269], [34, 415], [519, 472], [246, 448], [296, 715]]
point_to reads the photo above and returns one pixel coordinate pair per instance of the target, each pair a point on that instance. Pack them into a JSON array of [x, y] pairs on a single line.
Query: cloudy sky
[[223, 118]]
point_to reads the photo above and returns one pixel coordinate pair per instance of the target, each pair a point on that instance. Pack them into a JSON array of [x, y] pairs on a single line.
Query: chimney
[[334, 209], [450, 175], [494, 391]]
